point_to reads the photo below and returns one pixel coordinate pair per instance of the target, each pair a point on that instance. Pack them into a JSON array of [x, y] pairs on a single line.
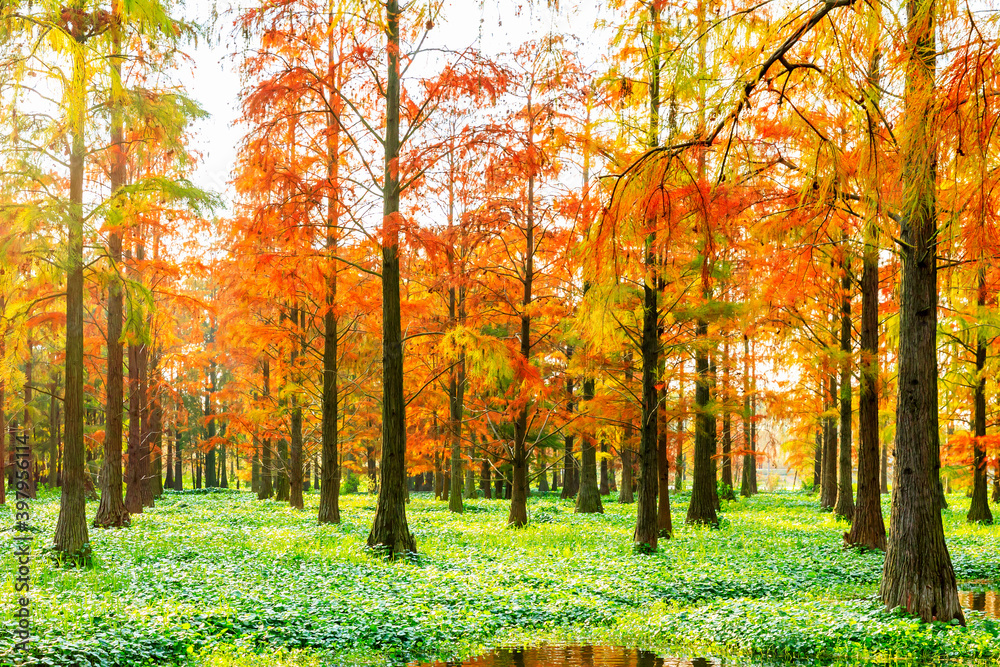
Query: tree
[[389, 528], [918, 574]]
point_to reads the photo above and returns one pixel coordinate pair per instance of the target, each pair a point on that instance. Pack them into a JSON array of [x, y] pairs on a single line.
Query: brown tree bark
[[265, 489], [571, 482], [3, 415], [817, 459], [868, 526], [727, 428], [663, 519], [701, 509], [390, 531], [588, 498], [647, 529], [749, 461], [828, 494], [979, 508], [71, 542], [626, 494], [845, 484], [918, 573], [295, 473]]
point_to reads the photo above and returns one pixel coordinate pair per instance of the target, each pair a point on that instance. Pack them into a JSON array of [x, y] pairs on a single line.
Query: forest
[[623, 332]]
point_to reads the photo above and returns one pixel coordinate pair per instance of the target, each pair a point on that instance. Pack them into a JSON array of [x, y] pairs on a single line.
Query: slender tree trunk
[[3, 414], [390, 531], [679, 465], [329, 489], [663, 519], [111, 512], [702, 507], [71, 541], [979, 508], [749, 461], [570, 480], [845, 487], [818, 458], [588, 498], [211, 481], [156, 426], [727, 428], [255, 464], [29, 428], [647, 529], [282, 490], [518, 516], [266, 490], [295, 473], [169, 483], [50, 476], [918, 573], [485, 484], [868, 526], [625, 492], [885, 468], [828, 494], [605, 484]]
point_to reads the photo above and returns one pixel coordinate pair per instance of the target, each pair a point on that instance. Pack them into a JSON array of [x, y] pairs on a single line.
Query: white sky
[[492, 25]]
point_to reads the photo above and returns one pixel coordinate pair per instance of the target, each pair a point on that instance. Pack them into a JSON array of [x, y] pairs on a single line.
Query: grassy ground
[[219, 579]]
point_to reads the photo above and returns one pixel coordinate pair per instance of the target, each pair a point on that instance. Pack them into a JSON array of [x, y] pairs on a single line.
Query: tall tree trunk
[[845, 486], [3, 414], [714, 433], [71, 541], [828, 494], [885, 468], [485, 484], [255, 464], [518, 515], [282, 491], [605, 483], [570, 479], [868, 526], [265, 490], [111, 512], [29, 427], [663, 519], [702, 507], [156, 437], [749, 460], [211, 481], [681, 432], [52, 472], [329, 489], [918, 573], [727, 428], [169, 483], [295, 475], [979, 508], [390, 531], [588, 498], [818, 458], [646, 527], [178, 459]]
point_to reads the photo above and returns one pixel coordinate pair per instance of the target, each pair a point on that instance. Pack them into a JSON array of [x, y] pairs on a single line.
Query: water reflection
[[986, 601], [578, 656]]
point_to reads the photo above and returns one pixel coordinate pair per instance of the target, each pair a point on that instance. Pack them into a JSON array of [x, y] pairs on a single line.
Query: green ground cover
[[223, 579]]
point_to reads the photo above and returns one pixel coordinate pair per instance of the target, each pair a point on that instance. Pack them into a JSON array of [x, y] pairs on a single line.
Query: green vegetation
[[224, 580]]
